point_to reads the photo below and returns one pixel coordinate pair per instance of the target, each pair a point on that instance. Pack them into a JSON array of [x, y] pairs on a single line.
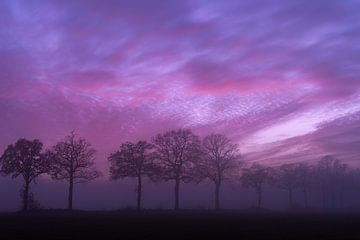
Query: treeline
[[179, 156]]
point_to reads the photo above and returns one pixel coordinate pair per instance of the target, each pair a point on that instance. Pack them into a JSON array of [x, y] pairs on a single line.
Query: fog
[[114, 195]]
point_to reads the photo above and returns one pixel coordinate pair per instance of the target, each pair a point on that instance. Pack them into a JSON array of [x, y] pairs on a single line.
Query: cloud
[[89, 80], [339, 137], [120, 70], [295, 43]]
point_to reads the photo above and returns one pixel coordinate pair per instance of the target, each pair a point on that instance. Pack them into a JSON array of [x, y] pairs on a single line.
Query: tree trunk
[[70, 197], [139, 191], [26, 196], [333, 200], [259, 197], [217, 195], [177, 188], [290, 198], [341, 197], [305, 197]]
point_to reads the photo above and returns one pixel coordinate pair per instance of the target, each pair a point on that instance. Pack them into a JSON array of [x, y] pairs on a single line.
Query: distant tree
[[219, 161], [331, 174], [134, 160], [306, 180], [24, 158], [287, 176], [177, 152], [352, 182], [255, 177], [73, 161], [33, 204]]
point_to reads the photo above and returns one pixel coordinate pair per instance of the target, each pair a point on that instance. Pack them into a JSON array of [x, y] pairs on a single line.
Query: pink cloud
[[89, 80]]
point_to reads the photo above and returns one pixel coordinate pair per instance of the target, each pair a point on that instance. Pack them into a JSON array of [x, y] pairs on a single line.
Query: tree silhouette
[[24, 158], [331, 174], [219, 161], [287, 177], [176, 154], [255, 177], [73, 160], [32, 204], [133, 160], [306, 180]]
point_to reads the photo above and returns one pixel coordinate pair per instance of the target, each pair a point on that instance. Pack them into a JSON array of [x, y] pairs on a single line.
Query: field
[[183, 224]]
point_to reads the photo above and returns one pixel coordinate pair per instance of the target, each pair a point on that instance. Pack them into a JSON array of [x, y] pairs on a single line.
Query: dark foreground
[[178, 225]]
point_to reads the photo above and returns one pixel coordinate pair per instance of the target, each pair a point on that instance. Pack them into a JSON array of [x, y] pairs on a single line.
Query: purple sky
[[281, 78]]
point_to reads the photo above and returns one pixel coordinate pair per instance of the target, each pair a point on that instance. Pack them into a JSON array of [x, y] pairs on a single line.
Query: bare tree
[[24, 158], [219, 162], [330, 173], [351, 183], [287, 177], [176, 154], [73, 160], [255, 177], [133, 160], [306, 180]]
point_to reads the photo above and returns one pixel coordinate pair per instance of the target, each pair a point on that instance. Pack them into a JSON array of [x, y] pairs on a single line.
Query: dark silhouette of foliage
[[180, 156], [255, 177], [134, 160], [219, 161], [177, 152], [24, 158], [73, 161], [33, 204]]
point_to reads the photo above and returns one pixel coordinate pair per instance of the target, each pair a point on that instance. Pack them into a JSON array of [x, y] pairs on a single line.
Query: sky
[[280, 78]]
